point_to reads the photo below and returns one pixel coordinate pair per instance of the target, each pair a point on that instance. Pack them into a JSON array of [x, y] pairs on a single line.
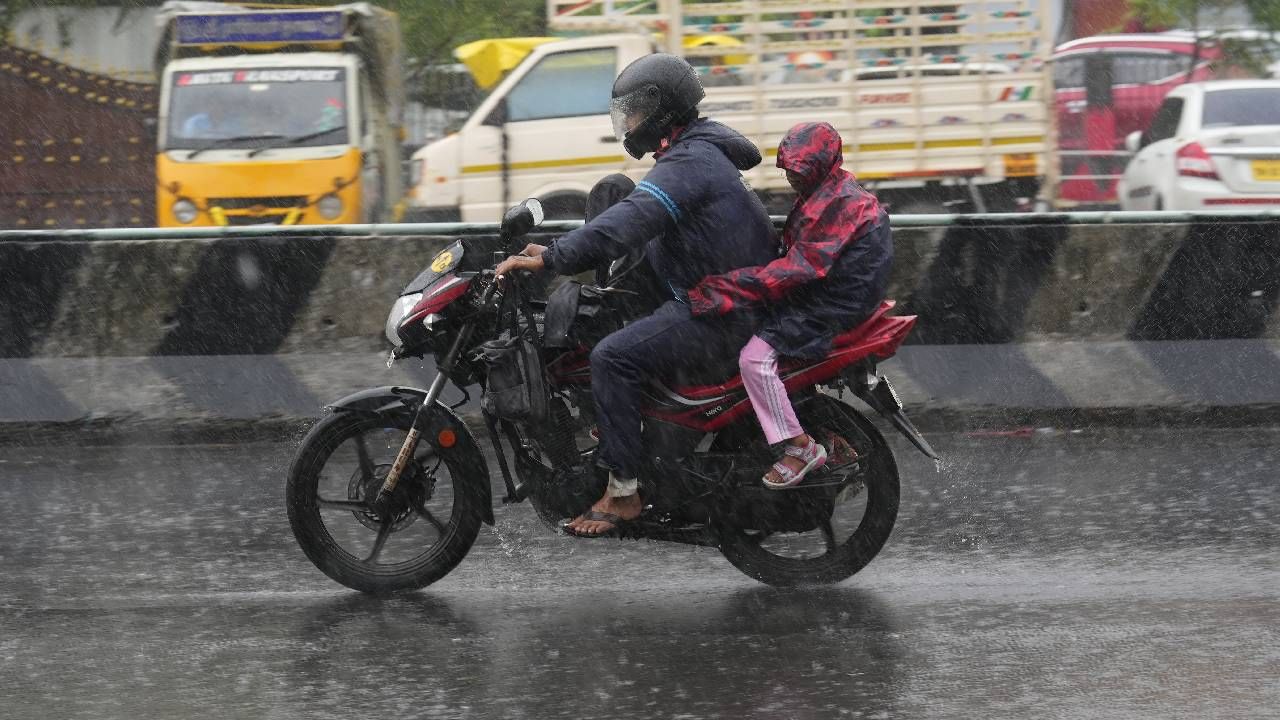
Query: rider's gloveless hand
[[530, 259]]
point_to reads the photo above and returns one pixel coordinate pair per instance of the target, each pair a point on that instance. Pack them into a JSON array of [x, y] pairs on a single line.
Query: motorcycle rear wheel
[[758, 555], [338, 470]]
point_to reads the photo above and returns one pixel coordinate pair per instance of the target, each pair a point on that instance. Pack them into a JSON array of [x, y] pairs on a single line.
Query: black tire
[[327, 552], [747, 551]]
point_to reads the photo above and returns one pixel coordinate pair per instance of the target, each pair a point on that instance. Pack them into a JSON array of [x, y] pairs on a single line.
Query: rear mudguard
[[874, 389], [400, 404]]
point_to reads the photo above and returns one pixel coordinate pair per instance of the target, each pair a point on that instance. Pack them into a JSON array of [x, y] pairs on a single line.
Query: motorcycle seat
[[850, 337], [723, 378]]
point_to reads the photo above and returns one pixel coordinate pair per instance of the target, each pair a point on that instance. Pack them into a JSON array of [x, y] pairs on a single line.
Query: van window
[[1165, 123], [1234, 108], [1127, 68], [1142, 69], [565, 84], [1068, 73]]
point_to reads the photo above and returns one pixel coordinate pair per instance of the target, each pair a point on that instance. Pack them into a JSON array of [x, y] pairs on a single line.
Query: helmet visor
[[628, 111]]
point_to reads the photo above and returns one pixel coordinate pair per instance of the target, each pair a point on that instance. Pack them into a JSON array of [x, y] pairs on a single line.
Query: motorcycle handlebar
[[491, 286], [512, 244]]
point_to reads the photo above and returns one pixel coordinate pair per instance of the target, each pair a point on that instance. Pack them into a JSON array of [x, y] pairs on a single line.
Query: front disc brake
[[412, 491]]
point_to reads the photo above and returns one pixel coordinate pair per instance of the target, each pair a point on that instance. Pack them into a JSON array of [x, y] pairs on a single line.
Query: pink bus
[[1095, 116]]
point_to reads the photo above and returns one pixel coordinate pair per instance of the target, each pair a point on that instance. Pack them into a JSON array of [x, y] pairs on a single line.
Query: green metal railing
[[452, 229]]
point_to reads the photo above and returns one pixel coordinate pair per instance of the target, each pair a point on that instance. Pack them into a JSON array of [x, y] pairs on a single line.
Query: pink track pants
[[759, 364]]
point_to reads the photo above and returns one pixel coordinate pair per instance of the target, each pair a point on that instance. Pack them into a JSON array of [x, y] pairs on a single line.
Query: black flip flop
[[599, 516]]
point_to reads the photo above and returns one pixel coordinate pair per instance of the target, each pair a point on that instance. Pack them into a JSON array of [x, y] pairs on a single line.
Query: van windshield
[[243, 107]]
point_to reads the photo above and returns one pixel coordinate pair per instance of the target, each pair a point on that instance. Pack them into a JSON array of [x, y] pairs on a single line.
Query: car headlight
[[185, 211], [398, 312], [330, 207]]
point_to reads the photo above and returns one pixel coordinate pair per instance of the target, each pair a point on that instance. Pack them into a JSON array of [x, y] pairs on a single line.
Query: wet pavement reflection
[[1132, 575]]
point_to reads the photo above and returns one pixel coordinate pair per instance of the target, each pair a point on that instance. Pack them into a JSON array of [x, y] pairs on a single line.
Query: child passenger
[[833, 274]]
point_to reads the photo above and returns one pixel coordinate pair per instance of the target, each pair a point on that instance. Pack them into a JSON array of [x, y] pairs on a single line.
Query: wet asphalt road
[[1052, 576]]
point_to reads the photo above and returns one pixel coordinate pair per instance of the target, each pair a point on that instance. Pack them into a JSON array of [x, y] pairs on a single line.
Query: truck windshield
[[244, 107]]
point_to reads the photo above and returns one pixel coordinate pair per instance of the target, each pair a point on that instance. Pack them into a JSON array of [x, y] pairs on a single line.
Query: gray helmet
[[653, 95]]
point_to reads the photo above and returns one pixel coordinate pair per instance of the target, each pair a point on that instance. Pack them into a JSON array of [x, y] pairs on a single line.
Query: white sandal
[[813, 455]]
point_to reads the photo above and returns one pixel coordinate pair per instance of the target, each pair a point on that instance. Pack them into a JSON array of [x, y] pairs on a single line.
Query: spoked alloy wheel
[[851, 529], [426, 530]]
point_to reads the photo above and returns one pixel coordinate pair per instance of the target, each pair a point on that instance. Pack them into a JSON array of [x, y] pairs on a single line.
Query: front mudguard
[[400, 404]]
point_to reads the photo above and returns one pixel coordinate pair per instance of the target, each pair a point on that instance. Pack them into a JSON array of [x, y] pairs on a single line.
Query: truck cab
[[254, 131]]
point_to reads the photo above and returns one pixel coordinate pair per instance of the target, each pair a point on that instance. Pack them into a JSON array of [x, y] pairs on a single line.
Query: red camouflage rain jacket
[[837, 253]]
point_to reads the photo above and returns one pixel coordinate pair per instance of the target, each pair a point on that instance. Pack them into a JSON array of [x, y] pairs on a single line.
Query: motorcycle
[[388, 491]]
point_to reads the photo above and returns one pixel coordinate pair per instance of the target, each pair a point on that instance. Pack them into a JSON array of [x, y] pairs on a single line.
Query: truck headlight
[[330, 206], [185, 211]]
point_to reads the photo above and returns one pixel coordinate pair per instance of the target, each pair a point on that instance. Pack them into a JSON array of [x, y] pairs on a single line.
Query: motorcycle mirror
[[522, 218]]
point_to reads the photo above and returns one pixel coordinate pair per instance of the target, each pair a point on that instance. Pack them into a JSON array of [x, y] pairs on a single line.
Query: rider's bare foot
[[626, 508], [795, 464]]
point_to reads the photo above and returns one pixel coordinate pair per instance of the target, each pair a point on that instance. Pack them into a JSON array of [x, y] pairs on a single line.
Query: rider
[[702, 218], [833, 274]]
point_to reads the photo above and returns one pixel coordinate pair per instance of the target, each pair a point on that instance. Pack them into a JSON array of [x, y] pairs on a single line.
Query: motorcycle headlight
[[185, 211], [398, 313], [330, 207]]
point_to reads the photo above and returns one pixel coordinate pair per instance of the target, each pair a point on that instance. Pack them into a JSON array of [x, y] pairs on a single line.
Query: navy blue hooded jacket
[[701, 216]]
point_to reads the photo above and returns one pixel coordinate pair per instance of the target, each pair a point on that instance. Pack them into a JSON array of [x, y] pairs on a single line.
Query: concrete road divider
[[1094, 321]]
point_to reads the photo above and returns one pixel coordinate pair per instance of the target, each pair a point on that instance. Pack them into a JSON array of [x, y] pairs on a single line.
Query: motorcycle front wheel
[[334, 478], [850, 530]]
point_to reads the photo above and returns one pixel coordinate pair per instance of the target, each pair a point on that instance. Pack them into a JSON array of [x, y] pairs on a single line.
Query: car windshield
[[243, 107], [1242, 107]]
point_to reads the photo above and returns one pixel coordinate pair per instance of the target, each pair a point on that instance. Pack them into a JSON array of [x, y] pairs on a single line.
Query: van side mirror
[[1133, 141], [498, 115]]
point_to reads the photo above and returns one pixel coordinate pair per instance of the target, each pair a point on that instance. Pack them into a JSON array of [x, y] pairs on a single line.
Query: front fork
[[382, 504]]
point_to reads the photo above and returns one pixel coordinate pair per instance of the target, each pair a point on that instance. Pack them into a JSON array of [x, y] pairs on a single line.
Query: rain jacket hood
[[741, 152], [813, 150]]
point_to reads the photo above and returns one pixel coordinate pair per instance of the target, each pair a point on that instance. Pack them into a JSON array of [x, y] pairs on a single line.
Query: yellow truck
[[937, 102], [276, 115]]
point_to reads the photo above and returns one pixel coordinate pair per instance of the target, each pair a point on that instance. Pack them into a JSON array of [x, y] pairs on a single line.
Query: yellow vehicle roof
[[489, 59]]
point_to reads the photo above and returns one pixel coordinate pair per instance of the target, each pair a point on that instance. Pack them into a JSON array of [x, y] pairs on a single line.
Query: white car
[[1210, 146]]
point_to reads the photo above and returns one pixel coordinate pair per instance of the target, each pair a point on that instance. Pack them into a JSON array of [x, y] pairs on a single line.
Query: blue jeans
[[657, 346]]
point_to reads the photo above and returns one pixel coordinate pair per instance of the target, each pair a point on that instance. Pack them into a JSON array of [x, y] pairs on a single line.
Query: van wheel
[[564, 206]]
